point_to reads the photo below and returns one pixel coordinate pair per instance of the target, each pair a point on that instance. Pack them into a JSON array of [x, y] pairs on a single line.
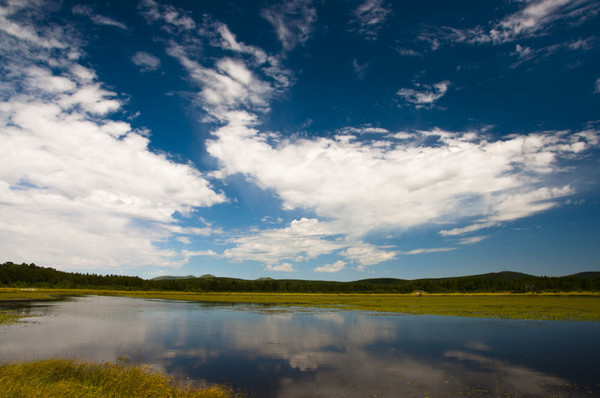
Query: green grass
[[67, 378], [9, 318], [566, 306]]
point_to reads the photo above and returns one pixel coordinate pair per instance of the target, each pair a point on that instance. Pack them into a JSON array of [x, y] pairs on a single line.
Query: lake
[[269, 351]]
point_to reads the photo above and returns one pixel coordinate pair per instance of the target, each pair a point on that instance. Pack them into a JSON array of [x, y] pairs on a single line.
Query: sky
[[331, 139]]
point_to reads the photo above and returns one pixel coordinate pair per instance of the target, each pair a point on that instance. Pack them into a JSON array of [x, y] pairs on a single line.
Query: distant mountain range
[[503, 275]]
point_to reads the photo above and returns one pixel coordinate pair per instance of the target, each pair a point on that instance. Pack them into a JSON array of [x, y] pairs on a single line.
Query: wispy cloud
[[424, 95], [533, 19], [427, 251], [173, 19], [468, 228], [472, 239], [98, 19], [147, 62], [292, 20], [369, 17], [597, 86], [527, 54], [368, 129], [359, 69]]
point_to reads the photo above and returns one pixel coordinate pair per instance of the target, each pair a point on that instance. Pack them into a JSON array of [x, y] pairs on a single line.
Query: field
[[67, 378], [575, 306]]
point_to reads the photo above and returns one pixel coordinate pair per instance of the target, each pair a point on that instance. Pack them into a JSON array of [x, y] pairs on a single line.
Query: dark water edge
[[299, 352]]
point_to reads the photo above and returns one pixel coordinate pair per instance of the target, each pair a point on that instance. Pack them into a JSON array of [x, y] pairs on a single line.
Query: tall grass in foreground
[[68, 378]]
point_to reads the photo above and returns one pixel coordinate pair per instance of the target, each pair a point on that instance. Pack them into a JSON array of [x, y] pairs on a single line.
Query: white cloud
[[228, 87], [173, 19], [370, 16], [203, 253], [283, 267], [426, 95], [427, 251], [366, 188], [44, 37], [269, 65], [467, 229], [335, 267], [523, 52], [78, 189], [146, 62], [597, 86], [535, 18], [472, 239], [368, 129], [98, 19], [229, 42], [184, 239], [365, 254], [356, 187], [407, 52], [304, 239], [359, 69], [292, 20], [526, 54]]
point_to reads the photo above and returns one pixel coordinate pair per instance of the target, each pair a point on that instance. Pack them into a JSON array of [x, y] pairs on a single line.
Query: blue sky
[[335, 140]]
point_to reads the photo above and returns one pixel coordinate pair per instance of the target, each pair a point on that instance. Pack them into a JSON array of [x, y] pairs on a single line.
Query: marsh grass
[[562, 306], [69, 378], [9, 318]]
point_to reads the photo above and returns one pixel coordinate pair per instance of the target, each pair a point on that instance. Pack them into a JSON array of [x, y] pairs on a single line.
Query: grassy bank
[[573, 306], [67, 378]]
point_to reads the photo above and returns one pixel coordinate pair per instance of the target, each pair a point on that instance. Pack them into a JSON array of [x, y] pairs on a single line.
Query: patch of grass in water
[[68, 378], [9, 318]]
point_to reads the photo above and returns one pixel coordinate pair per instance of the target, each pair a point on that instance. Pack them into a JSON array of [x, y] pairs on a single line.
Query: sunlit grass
[[565, 306], [8, 317], [68, 378]]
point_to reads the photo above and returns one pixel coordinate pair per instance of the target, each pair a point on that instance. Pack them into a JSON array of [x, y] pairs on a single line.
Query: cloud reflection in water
[[315, 353]]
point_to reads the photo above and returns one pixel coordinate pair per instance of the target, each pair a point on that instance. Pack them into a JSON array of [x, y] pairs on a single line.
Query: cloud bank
[[365, 180], [78, 188]]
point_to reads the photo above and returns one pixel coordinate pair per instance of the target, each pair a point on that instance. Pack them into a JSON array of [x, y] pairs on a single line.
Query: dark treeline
[[31, 275]]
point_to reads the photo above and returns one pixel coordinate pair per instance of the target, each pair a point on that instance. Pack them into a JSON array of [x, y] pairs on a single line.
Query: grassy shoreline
[[68, 378], [544, 306]]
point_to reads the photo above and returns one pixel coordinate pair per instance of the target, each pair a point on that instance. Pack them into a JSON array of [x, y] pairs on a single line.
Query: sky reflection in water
[[282, 352]]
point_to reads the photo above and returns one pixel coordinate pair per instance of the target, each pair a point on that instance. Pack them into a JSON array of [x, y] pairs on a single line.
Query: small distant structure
[[419, 293]]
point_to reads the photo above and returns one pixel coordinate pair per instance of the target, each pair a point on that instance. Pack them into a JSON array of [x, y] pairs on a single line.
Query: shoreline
[[565, 306]]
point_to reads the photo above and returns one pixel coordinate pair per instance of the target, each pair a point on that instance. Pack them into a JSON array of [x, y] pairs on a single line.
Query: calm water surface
[[299, 352]]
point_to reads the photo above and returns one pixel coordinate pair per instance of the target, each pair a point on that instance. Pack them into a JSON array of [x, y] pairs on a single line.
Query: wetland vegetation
[[60, 378], [505, 295], [582, 307]]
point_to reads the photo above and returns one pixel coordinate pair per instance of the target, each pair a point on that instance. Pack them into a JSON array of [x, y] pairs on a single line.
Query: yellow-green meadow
[[565, 306]]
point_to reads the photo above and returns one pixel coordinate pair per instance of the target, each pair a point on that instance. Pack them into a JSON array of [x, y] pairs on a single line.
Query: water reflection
[[277, 352]]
